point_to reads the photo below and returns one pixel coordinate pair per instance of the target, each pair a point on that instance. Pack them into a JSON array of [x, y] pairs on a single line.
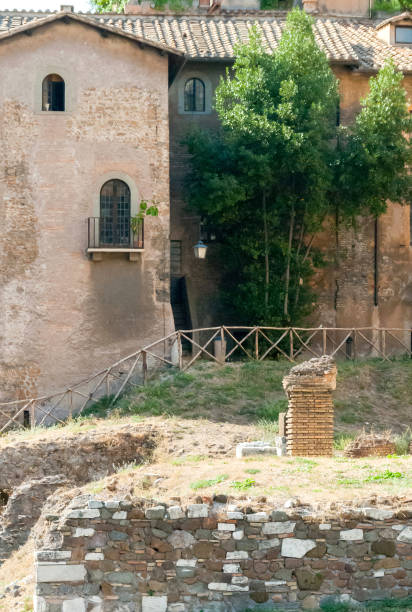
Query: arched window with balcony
[[194, 96], [53, 93], [115, 214]]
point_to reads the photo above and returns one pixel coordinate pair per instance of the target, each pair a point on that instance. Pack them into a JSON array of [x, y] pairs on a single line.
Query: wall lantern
[[200, 250]]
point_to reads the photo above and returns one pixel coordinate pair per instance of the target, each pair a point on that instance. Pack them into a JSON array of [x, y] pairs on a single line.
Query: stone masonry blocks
[[213, 556], [309, 420]]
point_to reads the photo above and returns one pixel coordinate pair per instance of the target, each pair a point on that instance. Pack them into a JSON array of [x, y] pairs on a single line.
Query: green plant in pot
[[136, 222]]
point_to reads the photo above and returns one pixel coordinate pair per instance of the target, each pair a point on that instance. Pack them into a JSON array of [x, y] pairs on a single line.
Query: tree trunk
[[266, 239], [287, 279]]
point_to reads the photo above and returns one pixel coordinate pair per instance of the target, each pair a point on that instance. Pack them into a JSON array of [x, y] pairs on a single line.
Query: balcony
[[108, 235]]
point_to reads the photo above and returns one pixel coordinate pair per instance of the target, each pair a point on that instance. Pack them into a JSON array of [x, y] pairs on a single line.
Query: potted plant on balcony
[[136, 222]]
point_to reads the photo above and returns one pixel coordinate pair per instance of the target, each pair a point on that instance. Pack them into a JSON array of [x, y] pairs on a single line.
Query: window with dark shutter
[[115, 214], [194, 96], [53, 93]]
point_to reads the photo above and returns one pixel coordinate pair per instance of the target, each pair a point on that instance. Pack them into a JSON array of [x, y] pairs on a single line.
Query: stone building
[[88, 107]]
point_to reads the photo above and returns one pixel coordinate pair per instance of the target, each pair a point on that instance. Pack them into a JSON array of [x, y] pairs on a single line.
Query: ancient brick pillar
[[309, 420]]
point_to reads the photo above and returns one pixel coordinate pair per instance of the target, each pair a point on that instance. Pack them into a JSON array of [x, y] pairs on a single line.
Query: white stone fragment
[[226, 527], [112, 504], [94, 556], [240, 580], [186, 562], [154, 604], [176, 607], [81, 532], [233, 508], [231, 568], [278, 527], [405, 535], [273, 585], [325, 526], [198, 511], [94, 503], [245, 449], [74, 605], [223, 586], [238, 535], [296, 548], [237, 554], [60, 572], [398, 527], [379, 573], [53, 555], [235, 516], [378, 514], [181, 539], [176, 512], [266, 544], [351, 535], [121, 515], [84, 514], [258, 517]]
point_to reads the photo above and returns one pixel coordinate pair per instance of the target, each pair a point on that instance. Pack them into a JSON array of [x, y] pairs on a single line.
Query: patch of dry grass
[[19, 565], [312, 480]]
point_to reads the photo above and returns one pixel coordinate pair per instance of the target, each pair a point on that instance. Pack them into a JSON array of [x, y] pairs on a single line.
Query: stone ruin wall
[[119, 555], [309, 420]]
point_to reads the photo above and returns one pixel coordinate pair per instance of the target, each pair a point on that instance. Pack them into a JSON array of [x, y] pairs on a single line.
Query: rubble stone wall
[[118, 555]]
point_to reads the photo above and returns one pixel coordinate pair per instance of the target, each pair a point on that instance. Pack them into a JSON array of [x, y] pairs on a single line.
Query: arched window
[[115, 214], [194, 96], [53, 93]]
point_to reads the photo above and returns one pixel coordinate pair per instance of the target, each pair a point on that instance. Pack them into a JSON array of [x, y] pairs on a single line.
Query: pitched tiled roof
[[344, 39]]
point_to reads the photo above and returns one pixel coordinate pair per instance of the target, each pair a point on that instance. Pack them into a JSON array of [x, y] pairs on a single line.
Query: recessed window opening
[[53, 93], [403, 34], [194, 96], [115, 214]]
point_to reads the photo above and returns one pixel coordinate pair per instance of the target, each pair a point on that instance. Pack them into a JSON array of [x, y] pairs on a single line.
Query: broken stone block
[[246, 449], [296, 548], [154, 604], [60, 572], [307, 579]]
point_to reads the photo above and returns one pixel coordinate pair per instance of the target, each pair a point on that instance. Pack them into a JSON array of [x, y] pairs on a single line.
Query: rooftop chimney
[[66, 8], [310, 6]]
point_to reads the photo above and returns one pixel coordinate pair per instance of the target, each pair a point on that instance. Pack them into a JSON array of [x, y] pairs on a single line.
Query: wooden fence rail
[[255, 343]]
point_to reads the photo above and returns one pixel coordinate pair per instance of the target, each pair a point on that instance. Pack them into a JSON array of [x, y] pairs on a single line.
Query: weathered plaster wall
[[64, 316], [359, 8], [347, 285], [119, 555]]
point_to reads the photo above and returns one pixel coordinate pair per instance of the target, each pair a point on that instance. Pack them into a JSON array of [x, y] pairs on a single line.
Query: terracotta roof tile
[[344, 39]]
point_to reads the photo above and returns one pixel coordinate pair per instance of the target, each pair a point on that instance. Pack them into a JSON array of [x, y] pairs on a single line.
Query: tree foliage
[[117, 6], [280, 165]]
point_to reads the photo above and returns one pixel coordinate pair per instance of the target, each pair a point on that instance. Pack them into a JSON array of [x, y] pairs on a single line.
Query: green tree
[[280, 164], [117, 6]]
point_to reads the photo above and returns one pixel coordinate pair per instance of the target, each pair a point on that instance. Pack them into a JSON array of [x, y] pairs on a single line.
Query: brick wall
[[118, 555]]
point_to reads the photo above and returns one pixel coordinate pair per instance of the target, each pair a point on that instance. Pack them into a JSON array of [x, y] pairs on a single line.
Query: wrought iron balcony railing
[[106, 233]]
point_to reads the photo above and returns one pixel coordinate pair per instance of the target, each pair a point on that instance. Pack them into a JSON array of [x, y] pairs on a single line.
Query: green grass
[[252, 392], [204, 484], [383, 476], [243, 485], [387, 605]]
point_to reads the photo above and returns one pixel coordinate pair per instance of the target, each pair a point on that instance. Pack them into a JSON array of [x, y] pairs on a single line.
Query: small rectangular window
[[403, 34], [175, 257]]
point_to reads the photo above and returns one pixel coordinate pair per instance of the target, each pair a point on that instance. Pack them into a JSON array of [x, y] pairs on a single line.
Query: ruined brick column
[[309, 420]]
